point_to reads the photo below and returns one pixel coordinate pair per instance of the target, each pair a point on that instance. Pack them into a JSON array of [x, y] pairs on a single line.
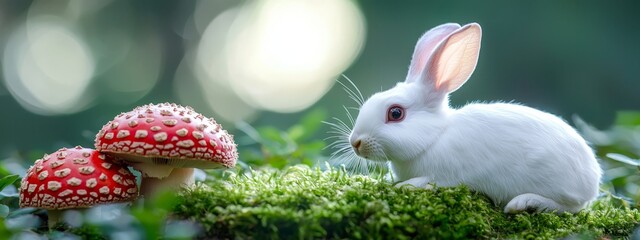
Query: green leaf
[[270, 134], [296, 132], [276, 142], [4, 210], [309, 125], [164, 200], [4, 171], [278, 162], [8, 180], [151, 221], [628, 118]]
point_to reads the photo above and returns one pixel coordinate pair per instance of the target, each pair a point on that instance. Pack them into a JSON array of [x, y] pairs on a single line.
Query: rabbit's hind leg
[[535, 203]]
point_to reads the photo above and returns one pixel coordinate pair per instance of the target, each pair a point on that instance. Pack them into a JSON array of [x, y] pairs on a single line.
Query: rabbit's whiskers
[[343, 153]]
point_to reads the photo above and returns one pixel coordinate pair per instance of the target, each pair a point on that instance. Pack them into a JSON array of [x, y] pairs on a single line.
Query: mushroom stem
[[55, 216], [178, 178], [152, 170]]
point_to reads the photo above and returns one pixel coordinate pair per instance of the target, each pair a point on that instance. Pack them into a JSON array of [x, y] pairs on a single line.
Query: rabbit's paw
[[419, 182], [532, 203]]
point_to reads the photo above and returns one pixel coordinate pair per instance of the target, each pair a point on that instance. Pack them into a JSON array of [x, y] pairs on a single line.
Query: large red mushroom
[[74, 179], [165, 142]]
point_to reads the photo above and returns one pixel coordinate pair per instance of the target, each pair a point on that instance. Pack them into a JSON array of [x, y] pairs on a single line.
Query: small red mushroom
[[165, 142], [73, 179]]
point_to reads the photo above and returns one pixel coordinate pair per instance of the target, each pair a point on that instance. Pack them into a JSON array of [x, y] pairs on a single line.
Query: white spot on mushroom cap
[[133, 123], [80, 161], [86, 170], [141, 134], [92, 182], [108, 135], [104, 190], [182, 132], [153, 152], [123, 134], [197, 134], [54, 185], [65, 193], [74, 181], [56, 163], [106, 165], [128, 182], [170, 122], [43, 175], [137, 144], [124, 171], [185, 143], [117, 178], [32, 188], [160, 137], [62, 172], [165, 112], [186, 152]]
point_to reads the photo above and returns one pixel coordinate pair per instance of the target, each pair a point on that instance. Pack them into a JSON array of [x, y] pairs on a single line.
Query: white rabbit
[[520, 157]]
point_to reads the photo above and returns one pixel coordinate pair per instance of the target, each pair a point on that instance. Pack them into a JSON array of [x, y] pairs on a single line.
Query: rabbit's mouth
[[369, 148]]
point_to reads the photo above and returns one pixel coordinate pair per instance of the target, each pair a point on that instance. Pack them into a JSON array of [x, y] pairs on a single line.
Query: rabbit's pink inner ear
[[455, 59], [425, 46]]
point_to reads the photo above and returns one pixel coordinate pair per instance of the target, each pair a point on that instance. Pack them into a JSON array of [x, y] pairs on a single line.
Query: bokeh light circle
[[47, 67], [282, 55]]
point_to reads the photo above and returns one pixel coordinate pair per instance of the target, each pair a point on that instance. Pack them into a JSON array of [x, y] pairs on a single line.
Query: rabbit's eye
[[395, 114]]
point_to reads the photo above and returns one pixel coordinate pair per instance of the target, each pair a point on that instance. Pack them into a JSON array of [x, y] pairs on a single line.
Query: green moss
[[87, 232], [308, 203]]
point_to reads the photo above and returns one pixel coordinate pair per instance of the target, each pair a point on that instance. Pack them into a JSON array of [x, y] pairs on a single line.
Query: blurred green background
[[70, 66]]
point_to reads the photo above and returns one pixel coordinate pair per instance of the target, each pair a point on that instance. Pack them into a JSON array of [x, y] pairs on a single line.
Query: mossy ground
[[301, 202]]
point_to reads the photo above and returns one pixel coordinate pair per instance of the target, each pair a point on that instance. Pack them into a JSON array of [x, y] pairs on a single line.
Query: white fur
[[522, 158]]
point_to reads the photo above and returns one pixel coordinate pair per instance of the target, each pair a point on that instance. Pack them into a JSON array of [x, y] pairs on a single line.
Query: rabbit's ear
[[425, 46], [454, 59]]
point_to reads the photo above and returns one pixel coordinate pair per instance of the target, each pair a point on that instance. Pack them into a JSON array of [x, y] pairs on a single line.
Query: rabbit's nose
[[356, 145]]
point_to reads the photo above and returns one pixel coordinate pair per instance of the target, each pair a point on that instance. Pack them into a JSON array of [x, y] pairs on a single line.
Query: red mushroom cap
[[76, 178], [168, 134]]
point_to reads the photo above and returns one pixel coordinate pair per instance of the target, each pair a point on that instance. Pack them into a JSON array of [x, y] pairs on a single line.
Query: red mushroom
[[75, 178], [165, 142]]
